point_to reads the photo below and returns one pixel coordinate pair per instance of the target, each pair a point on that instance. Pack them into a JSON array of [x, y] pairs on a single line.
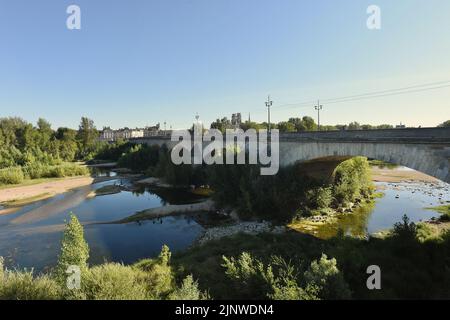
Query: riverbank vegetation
[[147, 279], [283, 266], [36, 152], [289, 194], [444, 210], [411, 267]]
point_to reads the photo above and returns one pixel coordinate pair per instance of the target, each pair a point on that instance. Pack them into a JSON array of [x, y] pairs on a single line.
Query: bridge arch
[[431, 160], [423, 149]]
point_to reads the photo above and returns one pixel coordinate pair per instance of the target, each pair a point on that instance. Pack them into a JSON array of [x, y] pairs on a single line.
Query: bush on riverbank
[[16, 285], [12, 175], [17, 175], [281, 280]]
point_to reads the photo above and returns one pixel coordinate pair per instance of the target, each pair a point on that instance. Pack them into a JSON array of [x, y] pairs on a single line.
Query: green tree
[[286, 126], [74, 250], [385, 126], [87, 136], [304, 124], [445, 124], [354, 126]]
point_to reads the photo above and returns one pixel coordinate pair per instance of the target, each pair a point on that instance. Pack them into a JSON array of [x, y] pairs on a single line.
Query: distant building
[[107, 134], [152, 131], [236, 120], [400, 126], [110, 135]]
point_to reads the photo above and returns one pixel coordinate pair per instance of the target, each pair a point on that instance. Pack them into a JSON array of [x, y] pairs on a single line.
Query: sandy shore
[[168, 210], [399, 175], [49, 188]]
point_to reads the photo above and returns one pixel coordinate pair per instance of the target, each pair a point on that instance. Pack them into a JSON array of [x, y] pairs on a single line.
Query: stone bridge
[[423, 149]]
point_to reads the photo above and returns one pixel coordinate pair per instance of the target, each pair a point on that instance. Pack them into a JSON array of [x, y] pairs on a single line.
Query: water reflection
[[410, 198], [30, 237]]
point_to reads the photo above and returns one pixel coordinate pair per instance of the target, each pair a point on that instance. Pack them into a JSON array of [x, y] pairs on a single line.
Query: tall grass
[[22, 285], [13, 175], [16, 175]]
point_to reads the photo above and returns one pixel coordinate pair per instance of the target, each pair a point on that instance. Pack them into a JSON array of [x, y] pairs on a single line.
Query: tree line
[[303, 124], [30, 151]]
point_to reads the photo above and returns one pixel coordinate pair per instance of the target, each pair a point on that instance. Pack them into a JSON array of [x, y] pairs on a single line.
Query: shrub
[[251, 278], [320, 198], [286, 286], [13, 175], [324, 275], [405, 229], [278, 280], [113, 281], [188, 291], [17, 285], [158, 274]]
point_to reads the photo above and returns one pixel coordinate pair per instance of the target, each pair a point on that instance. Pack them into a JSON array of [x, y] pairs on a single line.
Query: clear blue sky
[[138, 62]]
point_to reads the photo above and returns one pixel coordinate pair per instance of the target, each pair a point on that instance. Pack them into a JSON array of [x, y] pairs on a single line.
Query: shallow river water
[[30, 237]]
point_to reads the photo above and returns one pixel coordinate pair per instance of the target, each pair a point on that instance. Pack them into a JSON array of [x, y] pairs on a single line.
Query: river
[[30, 237]]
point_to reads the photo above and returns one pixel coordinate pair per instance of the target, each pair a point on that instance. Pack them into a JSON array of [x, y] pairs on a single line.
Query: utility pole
[[318, 108], [268, 105], [164, 128]]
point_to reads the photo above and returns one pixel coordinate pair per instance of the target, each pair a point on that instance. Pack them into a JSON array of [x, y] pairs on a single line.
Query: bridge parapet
[[407, 135]]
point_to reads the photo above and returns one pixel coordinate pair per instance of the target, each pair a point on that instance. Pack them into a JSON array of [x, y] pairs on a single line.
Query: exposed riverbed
[[30, 235], [403, 195]]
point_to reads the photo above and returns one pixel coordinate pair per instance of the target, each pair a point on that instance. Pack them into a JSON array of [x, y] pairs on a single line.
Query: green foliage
[[188, 291], [13, 175], [286, 286], [405, 230], [113, 151], [158, 275], [36, 170], [21, 285], [87, 136], [304, 124], [286, 126], [280, 280], [324, 275], [445, 124], [320, 198], [424, 232], [139, 157], [352, 180], [113, 281], [28, 152], [251, 279], [74, 250], [444, 210]]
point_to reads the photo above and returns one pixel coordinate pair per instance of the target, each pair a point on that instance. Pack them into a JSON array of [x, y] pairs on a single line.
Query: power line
[[388, 94], [375, 94]]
